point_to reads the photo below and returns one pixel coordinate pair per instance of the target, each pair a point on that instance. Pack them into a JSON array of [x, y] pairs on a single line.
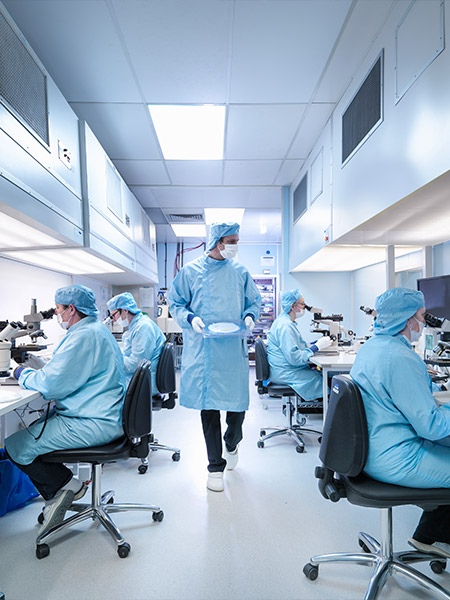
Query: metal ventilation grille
[[193, 218], [364, 112], [300, 198], [23, 85]]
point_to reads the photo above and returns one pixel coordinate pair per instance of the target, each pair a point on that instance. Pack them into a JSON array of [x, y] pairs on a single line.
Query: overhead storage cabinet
[[39, 143], [117, 223]]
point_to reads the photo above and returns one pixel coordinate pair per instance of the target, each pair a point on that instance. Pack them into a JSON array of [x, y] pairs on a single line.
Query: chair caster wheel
[[300, 449], [142, 469], [262, 432], [158, 516], [42, 550], [40, 518], [438, 566], [363, 547], [260, 444], [176, 456], [111, 500], [311, 571], [124, 550]]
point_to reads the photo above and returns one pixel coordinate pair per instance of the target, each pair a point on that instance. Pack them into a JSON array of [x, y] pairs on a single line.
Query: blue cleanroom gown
[[403, 419], [142, 339], [214, 371], [288, 356], [86, 379]]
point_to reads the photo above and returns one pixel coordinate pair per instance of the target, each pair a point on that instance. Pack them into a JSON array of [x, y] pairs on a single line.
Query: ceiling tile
[[288, 172], [251, 172], [310, 130], [143, 172], [78, 44], [179, 49], [195, 172], [215, 197], [145, 196], [280, 48], [124, 130], [261, 131]]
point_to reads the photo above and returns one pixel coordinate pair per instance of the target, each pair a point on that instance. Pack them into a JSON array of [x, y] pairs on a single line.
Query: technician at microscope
[[288, 353], [142, 337], [406, 427], [86, 380]]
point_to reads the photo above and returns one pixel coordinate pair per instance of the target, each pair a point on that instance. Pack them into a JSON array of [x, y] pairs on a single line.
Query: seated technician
[[86, 380], [288, 353], [404, 422], [142, 339]]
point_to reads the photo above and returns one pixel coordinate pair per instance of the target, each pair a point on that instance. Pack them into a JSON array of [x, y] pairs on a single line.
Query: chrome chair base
[[385, 561], [98, 510], [294, 431]]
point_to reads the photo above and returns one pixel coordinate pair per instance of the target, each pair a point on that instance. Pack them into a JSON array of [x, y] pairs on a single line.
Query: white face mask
[[415, 335], [300, 313], [123, 322], [229, 251], [63, 324]]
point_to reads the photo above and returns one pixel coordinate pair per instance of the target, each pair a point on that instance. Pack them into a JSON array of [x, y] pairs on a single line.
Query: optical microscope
[[327, 325], [10, 331], [437, 337]]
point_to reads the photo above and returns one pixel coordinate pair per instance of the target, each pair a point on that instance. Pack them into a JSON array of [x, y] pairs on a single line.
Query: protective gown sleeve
[[410, 386], [67, 371], [179, 297], [252, 299], [290, 345], [142, 344]]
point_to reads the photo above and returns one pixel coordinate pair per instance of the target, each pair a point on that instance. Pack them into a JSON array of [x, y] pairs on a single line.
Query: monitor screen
[[437, 295]]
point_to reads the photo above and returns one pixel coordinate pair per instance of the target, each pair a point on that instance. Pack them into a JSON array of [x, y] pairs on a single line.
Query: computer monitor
[[437, 295]]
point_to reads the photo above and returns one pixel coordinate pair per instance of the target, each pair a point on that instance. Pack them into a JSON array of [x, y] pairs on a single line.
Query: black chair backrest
[[261, 363], [345, 439], [137, 406], [165, 371]]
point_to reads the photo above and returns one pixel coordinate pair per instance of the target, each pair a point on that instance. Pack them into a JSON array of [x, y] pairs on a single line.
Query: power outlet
[[64, 155]]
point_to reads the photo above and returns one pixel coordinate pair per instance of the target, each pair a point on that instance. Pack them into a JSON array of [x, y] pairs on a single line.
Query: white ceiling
[[279, 66]]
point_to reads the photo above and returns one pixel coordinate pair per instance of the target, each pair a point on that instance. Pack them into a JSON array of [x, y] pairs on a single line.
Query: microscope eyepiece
[[48, 314], [432, 321]]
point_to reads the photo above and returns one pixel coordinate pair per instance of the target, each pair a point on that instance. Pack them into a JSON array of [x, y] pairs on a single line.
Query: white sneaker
[[55, 509], [437, 547], [232, 458], [215, 482]]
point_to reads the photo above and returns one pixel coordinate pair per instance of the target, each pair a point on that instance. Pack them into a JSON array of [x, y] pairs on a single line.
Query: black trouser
[[48, 478], [434, 526], [213, 436]]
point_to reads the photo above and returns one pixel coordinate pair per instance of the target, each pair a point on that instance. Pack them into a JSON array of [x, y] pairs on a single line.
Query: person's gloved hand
[[321, 343], [249, 323], [35, 362], [197, 325], [17, 371]]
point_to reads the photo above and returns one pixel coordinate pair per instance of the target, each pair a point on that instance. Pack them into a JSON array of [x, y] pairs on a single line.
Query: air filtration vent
[[364, 112], [191, 218], [23, 85], [300, 198]]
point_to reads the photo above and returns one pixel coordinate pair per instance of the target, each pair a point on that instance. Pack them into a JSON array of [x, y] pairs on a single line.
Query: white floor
[[249, 542]]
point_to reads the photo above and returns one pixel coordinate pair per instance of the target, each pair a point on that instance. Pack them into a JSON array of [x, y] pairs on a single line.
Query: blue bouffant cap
[[125, 301], [394, 307], [80, 296], [288, 298], [220, 230]]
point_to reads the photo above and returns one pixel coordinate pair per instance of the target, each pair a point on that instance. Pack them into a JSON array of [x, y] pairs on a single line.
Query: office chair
[[137, 422], [166, 384], [279, 390], [343, 453]]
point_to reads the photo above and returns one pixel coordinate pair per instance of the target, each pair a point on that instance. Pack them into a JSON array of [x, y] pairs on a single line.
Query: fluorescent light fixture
[[224, 215], [348, 258], [15, 234], [74, 261], [189, 230], [189, 132]]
